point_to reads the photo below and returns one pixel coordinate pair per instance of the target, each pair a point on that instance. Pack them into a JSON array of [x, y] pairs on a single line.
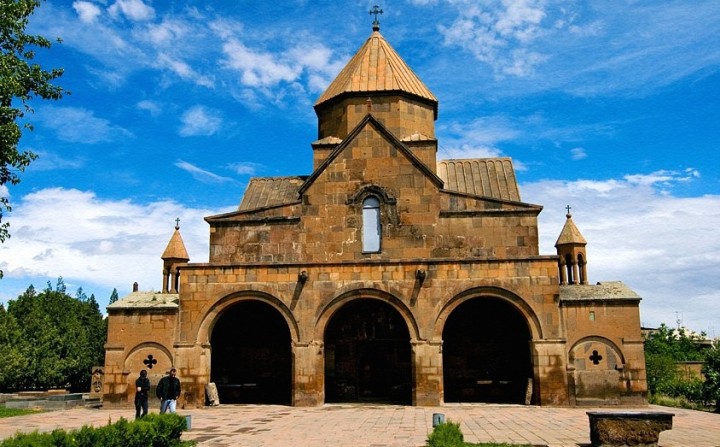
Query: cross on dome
[[376, 10]]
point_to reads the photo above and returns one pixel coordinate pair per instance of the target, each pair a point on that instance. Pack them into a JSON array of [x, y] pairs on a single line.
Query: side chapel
[[385, 275]]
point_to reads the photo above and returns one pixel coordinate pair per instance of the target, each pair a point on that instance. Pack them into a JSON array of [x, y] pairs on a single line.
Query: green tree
[[711, 370], [114, 296], [61, 339], [664, 348], [12, 350], [21, 80]]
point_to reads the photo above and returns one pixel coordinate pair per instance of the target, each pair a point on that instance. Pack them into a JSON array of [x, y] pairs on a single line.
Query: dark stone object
[[624, 429]]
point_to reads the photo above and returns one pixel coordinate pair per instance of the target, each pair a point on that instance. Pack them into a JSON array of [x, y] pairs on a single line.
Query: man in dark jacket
[[142, 386], [168, 390]]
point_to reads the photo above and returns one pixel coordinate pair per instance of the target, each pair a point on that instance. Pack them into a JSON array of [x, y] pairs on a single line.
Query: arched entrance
[[367, 354], [251, 355], [486, 353]]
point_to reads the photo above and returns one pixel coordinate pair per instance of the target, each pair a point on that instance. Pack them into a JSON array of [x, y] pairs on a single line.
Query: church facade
[[384, 275]]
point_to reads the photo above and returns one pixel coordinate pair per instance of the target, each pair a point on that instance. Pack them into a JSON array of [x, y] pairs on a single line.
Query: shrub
[[151, 431], [447, 434]]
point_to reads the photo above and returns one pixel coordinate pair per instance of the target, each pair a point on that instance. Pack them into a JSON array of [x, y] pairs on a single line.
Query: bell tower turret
[[174, 256], [570, 245]]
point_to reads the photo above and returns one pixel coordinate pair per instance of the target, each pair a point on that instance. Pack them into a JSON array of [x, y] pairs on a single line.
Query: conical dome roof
[[570, 233], [175, 248], [376, 67]]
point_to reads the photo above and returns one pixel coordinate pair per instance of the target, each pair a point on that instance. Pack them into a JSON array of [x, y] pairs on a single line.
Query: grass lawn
[[10, 412]]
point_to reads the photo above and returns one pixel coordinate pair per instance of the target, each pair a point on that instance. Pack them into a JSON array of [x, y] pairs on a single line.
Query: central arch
[[367, 354], [251, 354], [487, 352]]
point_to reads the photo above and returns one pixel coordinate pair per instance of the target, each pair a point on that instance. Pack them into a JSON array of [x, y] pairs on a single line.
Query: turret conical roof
[[570, 234], [376, 67], [175, 248]]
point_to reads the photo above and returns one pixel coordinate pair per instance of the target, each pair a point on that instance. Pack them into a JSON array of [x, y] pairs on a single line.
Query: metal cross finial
[[177, 223], [568, 208], [376, 10]]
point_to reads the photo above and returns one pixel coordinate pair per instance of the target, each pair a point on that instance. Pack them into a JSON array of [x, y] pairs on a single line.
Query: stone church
[[385, 275]]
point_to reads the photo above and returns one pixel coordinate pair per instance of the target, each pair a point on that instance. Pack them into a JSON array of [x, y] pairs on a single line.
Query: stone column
[[427, 373], [192, 362], [550, 367], [308, 387], [563, 273]]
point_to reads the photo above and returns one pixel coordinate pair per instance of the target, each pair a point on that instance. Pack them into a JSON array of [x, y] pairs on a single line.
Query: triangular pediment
[[400, 148]]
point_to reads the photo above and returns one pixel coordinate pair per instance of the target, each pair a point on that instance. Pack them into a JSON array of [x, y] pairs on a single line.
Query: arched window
[[371, 225]]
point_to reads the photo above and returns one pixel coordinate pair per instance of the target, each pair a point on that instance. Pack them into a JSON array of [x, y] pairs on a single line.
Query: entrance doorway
[[367, 354], [486, 353], [251, 355]]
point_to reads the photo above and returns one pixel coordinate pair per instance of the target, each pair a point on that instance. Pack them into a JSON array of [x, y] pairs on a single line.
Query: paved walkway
[[380, 426]]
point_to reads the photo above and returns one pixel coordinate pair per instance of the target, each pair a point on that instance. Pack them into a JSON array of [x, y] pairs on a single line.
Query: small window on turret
[[592, 315]]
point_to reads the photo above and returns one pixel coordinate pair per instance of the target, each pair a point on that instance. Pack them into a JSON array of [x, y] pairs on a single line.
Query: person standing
[[168, 391], [142, 386]]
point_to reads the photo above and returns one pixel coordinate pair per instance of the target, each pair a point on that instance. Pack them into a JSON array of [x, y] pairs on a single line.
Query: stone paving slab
[[379, 425]]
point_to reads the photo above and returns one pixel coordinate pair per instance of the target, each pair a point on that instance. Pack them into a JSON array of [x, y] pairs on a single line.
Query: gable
[[353, 149]]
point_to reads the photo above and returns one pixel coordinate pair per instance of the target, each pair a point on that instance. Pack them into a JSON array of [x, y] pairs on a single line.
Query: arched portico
[[487, 348], [368, 352], [250, 338]]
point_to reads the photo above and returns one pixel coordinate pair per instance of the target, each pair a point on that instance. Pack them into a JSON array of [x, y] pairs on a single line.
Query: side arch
[[165, 361], [597, 366], [153, 357], [495, 292], [587, 344], [214, 312]]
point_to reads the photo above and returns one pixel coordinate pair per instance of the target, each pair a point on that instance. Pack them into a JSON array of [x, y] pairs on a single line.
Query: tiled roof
[[376, 67], [609, 290], [175, 248], [146, 300], [263, 192], [487, 177], [570, 234]]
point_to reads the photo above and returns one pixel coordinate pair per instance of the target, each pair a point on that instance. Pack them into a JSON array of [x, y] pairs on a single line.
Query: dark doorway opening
[[367, 354], [486, 353], [251, 355]]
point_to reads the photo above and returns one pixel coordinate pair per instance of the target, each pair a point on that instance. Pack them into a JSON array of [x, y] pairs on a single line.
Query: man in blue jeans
[[168, 391]]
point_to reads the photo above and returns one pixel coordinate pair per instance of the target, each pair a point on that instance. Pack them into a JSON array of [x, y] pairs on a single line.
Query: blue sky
[[612, 107]]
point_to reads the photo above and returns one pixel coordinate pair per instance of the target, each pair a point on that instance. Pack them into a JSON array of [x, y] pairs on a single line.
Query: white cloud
[[500, 33], [94, 242], [201, 174], [184, 70], [582, 48], [258, 69], [87, 11], [578, 153], [318, 62], [78, 125], [664, 247], [149, 106], [245, 168], [200, 121], [50, 161], [134, 10], [165, 34]]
